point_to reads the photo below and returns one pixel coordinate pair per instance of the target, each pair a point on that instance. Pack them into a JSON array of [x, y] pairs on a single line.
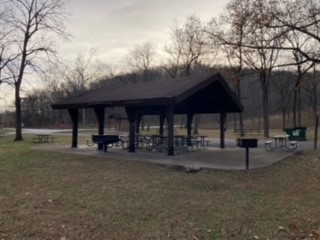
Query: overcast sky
[[113, 26]]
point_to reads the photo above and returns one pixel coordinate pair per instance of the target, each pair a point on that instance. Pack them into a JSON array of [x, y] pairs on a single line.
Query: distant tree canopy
[[267, 34]]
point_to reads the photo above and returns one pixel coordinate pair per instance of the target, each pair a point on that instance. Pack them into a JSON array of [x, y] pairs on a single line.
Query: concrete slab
[[213, 157]]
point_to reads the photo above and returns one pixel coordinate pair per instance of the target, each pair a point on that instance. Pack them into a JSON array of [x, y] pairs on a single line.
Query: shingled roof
[[200, 94]]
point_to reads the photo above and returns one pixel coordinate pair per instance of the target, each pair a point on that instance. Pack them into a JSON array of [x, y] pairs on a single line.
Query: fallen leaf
[[316, 232], [293, 226]]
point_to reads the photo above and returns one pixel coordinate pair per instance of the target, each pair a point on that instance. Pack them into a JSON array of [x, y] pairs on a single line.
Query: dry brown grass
[[45, 195]]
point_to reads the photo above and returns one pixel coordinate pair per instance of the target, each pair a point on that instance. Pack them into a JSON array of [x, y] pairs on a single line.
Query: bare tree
[[173, 50], [259, 45], [6, 42], [141, 58], [282, 81], [187, 45], [299, 43], [298, 16], [235, 20], [67, 78], [185, 51], [32, 24], [80, 72], [263, 55], [311, 86]]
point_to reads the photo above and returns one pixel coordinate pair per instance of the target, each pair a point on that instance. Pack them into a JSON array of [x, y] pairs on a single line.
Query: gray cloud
[[112, 26]]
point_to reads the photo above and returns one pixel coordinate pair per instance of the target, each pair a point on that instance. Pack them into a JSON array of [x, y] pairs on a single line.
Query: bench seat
[[293, 145], [268, 146]]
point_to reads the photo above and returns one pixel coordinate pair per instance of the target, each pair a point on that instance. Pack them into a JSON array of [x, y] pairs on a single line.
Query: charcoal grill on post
[[104, 140], [247, 143]]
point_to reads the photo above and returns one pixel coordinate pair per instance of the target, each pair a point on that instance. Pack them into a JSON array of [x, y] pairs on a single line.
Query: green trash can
[[297, 133]]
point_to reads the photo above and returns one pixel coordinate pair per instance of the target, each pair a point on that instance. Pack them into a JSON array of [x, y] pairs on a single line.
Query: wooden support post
[[132, 129], [137, 122], [189, 128], [137, 126], [99, 112], [74, 115], [162, 118], [170, 121], [223, 117]]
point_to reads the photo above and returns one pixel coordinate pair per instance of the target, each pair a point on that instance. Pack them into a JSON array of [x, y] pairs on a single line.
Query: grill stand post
[[247, 158]]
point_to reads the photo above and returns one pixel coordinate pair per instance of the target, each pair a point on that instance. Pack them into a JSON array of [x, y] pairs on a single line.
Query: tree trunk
[[315, 94], [265, 115], [295, 97], [18, 113], [299, 108], [283, 110], [145, 75], [284, 119], [265, 102], [315, 101], [17, 89], [188, 69], [240, 114], [294, 110]]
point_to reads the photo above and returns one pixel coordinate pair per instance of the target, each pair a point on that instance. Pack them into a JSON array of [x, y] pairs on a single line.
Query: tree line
[[268, 49], [36, 106]]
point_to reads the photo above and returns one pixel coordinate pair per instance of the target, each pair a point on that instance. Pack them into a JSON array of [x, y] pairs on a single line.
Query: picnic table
[[200, 141], [281, 141], [43, 138], [181, 142]]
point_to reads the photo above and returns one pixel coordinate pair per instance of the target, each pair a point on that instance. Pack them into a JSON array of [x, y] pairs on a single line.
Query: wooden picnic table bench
[[281, 141], [43, 138]]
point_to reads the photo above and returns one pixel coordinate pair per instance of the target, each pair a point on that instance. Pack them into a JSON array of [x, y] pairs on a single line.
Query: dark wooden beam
[[170, 121], [161, 123], [223, 117], [132, 128], [189, 128], [99, 112], [138, 118], [74, 115]]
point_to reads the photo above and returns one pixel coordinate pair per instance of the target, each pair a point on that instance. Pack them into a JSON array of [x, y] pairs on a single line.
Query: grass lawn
[[45, 195]]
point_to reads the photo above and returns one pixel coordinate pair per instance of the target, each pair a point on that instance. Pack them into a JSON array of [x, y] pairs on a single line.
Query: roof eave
[[127, 103], [196, 88]]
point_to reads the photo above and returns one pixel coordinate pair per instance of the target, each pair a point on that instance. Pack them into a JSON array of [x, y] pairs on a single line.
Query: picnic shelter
[[189, 96]]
